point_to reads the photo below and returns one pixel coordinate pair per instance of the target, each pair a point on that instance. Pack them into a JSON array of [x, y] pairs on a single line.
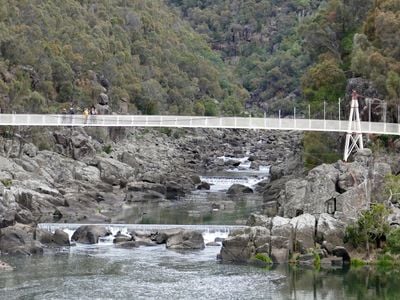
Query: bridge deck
[[194, 122]]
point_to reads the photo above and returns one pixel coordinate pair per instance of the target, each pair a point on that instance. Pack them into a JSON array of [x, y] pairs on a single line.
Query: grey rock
[[186, 240], [258, 220], [103, 99], [89, 234], [340, 251], [239, 189], [330, 230], [61, 238], [304, 230]]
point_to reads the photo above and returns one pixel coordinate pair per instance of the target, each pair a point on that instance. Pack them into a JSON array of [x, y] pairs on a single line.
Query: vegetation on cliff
[[138, 52]]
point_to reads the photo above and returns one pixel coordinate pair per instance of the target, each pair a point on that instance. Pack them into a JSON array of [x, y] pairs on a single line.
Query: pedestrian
[[85, 114]]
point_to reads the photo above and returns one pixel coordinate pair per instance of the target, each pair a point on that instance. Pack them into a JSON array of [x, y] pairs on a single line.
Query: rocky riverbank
[[88, 175], [308, 216]]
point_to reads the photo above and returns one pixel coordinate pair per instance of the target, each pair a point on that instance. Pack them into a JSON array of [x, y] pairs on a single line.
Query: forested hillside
[[303, 48], [139, 54], [196, 56]]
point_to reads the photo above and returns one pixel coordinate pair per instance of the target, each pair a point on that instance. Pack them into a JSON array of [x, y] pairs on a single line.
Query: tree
[[371, 227]]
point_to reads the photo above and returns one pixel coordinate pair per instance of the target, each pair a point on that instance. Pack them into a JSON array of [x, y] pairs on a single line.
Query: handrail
[[51, 120]]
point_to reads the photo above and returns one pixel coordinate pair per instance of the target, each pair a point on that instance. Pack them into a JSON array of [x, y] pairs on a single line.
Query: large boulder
[[113, 171], [186, 240], [162, 236], [61, 238], [236, 249], [18, 240], [295, 196], [259, 220], [350, 203], [304, 230], [239, 189], [330, 230], [89, 234]]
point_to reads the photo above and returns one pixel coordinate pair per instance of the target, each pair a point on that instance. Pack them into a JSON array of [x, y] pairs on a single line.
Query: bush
[[356, 263], [393, 241], [371, 227], [263, 257], [107, 149]]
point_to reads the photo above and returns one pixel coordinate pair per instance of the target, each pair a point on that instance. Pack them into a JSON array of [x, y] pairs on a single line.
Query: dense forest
[[202, 57]]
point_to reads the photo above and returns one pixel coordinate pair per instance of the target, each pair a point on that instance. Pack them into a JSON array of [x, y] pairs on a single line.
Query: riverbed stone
[[342, 252], [61, 238], [236, 249], [89, 234], [239, 189], [18, 240], [186, 240]]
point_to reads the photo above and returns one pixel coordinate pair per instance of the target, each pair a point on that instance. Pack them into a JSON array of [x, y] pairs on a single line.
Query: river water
[[104, 272]]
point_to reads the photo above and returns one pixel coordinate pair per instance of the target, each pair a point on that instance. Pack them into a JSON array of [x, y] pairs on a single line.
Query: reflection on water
[[196, 208], [105, 272]]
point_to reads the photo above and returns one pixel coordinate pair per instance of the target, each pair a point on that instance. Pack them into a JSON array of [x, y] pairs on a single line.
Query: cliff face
[[89, 178]]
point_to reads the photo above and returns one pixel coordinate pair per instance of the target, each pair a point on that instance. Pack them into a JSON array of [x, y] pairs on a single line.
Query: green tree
[[371, 227]]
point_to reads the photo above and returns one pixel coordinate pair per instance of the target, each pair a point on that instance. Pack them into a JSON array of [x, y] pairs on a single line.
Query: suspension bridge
[[353, 127]]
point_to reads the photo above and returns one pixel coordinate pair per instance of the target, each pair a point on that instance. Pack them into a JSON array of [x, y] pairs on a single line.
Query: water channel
[[103, 271]]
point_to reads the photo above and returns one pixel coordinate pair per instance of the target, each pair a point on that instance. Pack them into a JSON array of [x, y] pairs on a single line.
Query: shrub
[[107, 149], [393, 241], [371, 227], [356, 263], [263, 257]]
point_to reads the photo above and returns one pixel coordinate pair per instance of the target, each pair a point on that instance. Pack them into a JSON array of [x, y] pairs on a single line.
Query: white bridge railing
[[194, 122]]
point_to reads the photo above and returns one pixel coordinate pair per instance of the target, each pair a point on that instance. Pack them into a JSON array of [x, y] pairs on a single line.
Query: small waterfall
[[210, 232], [222, 183]]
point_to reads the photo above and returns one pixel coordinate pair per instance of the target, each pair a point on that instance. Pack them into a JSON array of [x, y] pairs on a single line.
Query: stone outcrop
[[89, 234], [280, 237], [186, 240], [19, 240], [239, 189]]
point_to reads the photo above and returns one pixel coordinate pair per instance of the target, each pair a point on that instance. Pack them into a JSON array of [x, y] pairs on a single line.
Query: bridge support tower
[[354, 139]]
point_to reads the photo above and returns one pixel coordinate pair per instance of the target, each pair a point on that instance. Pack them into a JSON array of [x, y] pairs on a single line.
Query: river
[[104, 272]]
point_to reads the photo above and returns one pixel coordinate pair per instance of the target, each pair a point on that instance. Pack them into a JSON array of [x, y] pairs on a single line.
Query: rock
[[4, 267], [276, 172], [306, 259], [89, 234], [304, 230], [113, 172], [186, 239], [313, 194], [162, 236], [126, 245], [213, 244], [122, 238], [146, 186], [236, 249], [350, 203], [204, 186], [327, 246], [330, 230], [295, 194], [258, 220], [44, 236], [280, 255], [174, 191], [239, 189], [340, 251], [18, 240], [271, 209], [61, 238], [103, 99]]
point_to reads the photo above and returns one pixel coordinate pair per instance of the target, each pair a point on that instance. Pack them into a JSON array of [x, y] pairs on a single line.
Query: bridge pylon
[[354, 139]]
